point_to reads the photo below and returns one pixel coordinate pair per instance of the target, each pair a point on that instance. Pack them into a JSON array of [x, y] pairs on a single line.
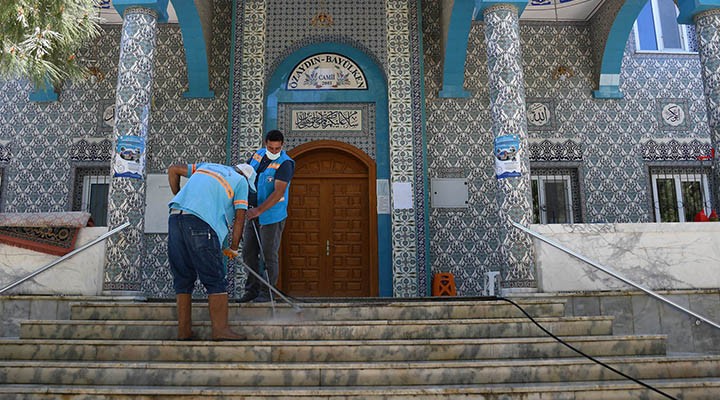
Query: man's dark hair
[[275, 136]]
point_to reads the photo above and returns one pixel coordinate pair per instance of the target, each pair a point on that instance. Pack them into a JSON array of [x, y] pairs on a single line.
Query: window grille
[[556, 196], [90, 194], [680, 193]]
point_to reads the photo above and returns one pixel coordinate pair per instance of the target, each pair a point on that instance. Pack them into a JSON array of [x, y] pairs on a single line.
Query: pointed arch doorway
[[329, 245]]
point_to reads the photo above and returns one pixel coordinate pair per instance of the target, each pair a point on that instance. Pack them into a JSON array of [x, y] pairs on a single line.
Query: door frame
[[376, 93], [297, 153]]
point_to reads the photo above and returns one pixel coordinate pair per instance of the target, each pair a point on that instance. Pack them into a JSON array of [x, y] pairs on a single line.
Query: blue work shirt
[[213, 193]]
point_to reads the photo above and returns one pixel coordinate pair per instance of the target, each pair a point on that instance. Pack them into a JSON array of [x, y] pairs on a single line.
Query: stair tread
[[346, 342], [401, 303], [365, 390], [489, 363], [284, 323]]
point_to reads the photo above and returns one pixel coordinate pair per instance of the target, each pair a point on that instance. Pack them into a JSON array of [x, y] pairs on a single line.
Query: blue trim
[[385, 273], [376, 93], [608, 92], [690, 8], [426, 187], [615, 47], [482, 5], [456, 50], [196, 57], [44, 94], [159, 6]]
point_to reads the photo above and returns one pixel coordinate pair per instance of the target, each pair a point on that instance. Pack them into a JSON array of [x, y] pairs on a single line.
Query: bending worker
[[214, 197], [274, 170]]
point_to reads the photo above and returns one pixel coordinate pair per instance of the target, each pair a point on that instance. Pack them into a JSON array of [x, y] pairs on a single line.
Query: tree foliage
[[39, 39]]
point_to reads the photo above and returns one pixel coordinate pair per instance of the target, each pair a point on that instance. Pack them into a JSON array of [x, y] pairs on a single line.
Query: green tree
[[39, 39]]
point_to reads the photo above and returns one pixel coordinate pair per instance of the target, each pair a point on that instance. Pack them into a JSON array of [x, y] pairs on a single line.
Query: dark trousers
[[270, 236]]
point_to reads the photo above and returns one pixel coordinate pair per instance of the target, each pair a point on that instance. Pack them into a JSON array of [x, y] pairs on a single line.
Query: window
[[556, 196], [92, 185], [656, 28], [679, 193]]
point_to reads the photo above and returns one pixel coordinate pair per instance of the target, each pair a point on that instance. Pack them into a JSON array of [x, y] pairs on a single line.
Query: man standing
[[267, 213], [214, 197]]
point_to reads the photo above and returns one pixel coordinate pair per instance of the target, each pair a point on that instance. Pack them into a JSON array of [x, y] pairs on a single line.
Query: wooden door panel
[[349, 238], [302, 266], [326, 243]]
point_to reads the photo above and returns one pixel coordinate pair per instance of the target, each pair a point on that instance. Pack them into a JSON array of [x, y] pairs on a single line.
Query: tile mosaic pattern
[[359, 26], [600, 26], [252, 77], [39, 138], [675, 150], [124, 255], [48, 140], [708, 32], [607, 137], [91, 149], [509, 117], [555, 150], [421, 181], [404, 232]]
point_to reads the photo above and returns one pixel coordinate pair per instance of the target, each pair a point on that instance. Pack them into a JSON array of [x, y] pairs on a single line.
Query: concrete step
[[686, 389], [350, 374], [336, 311], [323, 330], [328, 351]]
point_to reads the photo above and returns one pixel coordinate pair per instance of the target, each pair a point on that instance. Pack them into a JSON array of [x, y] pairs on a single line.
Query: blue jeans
[[194, 252], [270, 236]]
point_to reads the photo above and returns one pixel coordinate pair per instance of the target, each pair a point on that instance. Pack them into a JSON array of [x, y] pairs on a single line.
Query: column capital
[[483, 5], [689, 9], [159, 6]]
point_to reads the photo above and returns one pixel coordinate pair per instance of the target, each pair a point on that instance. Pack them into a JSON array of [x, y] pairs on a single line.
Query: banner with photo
[[129, 157], [507, 156]]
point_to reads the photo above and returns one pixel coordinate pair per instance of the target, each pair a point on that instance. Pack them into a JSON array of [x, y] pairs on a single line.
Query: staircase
[[345, 350]]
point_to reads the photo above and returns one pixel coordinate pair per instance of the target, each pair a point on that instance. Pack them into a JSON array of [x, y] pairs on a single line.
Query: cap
[[249, 173]]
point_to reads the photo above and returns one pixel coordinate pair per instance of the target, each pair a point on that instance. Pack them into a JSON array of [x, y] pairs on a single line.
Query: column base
[[505, 292], [134, 295]]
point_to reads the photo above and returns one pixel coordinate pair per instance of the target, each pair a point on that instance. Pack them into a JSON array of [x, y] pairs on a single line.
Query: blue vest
[[266, 185]]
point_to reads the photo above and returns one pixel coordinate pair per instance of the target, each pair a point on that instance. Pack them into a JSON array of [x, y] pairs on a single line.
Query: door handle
[[327, 247]]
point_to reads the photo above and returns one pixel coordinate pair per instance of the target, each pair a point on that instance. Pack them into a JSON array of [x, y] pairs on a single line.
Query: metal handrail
[[66, 256], [613, 273]]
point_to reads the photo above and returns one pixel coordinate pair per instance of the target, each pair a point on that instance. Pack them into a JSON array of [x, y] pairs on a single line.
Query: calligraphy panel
[[672, 114], [327, 120], [540, 114]]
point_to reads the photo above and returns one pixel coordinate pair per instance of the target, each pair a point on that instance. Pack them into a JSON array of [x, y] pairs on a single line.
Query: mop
[[265, 281]]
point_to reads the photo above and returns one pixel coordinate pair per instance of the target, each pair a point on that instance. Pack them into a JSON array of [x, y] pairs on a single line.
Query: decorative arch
[[456, 32], [195, 42], [608, 83], [376, 93]]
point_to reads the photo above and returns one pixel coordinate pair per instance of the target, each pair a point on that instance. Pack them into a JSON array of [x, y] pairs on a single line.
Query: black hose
[[589, 357]]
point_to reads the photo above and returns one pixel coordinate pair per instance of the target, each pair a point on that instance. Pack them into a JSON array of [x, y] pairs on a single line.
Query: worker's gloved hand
[[230, 253]]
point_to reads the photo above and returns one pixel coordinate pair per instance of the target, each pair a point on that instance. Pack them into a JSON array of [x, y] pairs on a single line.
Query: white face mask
[[271, 156]]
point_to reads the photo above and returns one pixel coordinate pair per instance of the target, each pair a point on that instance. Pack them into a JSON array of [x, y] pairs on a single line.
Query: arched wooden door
[[329, 243]]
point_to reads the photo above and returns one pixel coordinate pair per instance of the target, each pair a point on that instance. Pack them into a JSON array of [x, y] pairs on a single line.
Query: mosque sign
[[327, 71]]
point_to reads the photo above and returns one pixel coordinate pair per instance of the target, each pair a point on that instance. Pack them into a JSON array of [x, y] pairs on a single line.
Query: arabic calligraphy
[[538, 114], [327, 120], [673, 114]]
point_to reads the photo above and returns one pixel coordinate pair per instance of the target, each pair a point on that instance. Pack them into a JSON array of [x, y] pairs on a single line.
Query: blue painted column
[[507, 110], [124, 256], [707, 24]]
